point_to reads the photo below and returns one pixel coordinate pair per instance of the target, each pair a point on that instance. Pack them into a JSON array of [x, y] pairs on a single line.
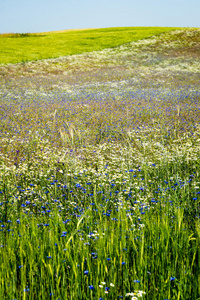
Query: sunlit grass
[[32, 47], [99, 176]]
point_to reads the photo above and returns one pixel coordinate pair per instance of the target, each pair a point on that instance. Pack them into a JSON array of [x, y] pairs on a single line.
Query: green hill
[[16, 48]]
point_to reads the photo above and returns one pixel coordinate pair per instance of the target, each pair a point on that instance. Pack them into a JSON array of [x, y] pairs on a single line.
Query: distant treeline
[[19, 35]]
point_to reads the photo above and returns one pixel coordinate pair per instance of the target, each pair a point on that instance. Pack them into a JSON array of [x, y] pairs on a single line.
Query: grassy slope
[[14, 49], [131, 218]]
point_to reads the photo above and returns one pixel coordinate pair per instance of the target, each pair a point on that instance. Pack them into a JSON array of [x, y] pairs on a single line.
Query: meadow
[[25, 47], [99, 172]]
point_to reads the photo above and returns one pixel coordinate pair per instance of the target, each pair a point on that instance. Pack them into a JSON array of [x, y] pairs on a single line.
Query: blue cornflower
[[137, 281], [123, 263], [172, 278], [91, 287], [108, 259], [86, 272]]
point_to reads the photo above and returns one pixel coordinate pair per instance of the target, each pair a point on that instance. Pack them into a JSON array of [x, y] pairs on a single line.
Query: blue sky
[[48, 15]]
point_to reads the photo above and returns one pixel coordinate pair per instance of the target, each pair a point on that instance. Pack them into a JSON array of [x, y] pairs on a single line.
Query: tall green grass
[[103, 245], [32, 47]]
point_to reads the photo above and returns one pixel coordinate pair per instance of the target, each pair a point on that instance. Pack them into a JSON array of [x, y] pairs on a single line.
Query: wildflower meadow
[[100, 173]]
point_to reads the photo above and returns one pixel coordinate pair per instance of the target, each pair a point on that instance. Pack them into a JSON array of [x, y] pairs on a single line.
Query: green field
[[21, 48], [100, 167]]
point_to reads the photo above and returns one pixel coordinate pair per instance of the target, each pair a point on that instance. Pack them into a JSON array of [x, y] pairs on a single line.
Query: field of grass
[[100, 173], [15, 48]]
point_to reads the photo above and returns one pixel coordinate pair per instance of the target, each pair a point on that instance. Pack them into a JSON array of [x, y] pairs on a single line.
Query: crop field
[[100, 172], [15, 48]]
